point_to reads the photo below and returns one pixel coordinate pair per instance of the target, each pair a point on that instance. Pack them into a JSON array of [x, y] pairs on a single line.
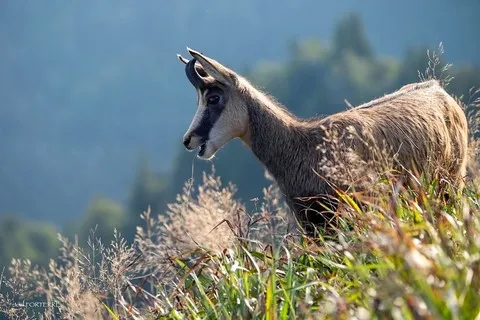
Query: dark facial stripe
[[211, 114]]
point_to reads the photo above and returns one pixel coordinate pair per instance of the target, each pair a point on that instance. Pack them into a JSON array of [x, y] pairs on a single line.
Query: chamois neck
[[272, 132]]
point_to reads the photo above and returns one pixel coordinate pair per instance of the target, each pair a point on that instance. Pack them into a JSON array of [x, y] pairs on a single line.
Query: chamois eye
[[212, 100]]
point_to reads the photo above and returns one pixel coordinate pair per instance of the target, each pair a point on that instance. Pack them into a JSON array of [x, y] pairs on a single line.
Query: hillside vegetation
[[406, 255]]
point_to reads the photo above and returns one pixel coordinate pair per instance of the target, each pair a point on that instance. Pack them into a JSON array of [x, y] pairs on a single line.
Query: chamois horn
[[192, 74]]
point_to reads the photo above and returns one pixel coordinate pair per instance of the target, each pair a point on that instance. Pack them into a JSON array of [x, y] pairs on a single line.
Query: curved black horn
[[192, 74]]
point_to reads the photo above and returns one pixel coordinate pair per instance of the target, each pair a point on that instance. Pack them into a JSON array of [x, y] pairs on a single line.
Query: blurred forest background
[[93, 102]]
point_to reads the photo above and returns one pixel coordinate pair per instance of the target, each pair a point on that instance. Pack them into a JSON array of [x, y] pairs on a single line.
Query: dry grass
[[126, 277], [182, 263]]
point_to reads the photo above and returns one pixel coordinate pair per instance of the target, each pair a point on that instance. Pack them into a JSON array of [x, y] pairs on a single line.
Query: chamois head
[[221, 115]]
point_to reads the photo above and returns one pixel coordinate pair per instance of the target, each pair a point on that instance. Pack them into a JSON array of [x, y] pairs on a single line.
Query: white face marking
[[195, 141], [230, 124]]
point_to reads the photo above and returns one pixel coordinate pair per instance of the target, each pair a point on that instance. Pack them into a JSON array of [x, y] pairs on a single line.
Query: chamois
[[420, 126]]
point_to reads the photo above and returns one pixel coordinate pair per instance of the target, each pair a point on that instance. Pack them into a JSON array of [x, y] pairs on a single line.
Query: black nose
[[186, 141]]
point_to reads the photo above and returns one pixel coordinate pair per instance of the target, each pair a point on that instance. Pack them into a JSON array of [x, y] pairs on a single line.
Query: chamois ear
[[214, 68]]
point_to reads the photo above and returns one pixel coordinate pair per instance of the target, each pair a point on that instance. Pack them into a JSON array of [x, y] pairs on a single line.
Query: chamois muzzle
[[192, 74]]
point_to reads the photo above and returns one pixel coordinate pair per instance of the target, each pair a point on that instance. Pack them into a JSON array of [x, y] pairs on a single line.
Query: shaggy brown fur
[[420, 129], [420, 126]]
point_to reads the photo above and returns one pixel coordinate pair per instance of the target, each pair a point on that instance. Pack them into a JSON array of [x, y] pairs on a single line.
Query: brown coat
[[420, 125]]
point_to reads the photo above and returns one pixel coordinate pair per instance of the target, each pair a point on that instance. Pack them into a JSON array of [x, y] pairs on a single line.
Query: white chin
[[206, 151]]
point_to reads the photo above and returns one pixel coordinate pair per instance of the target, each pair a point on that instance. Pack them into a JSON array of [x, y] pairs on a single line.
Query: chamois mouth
[[201, 150]]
